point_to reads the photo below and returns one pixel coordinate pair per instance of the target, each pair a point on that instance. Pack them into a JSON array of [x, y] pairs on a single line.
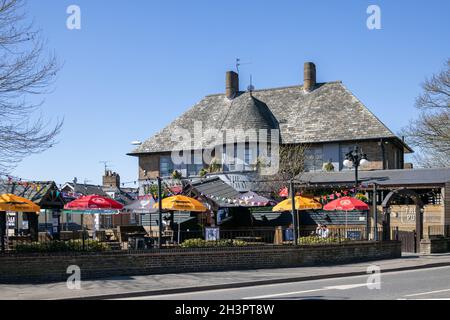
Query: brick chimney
[[310, 76], [232, 84], [111, 179]]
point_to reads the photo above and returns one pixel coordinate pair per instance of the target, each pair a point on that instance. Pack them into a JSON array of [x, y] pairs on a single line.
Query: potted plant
[[361, 197], [177, 175], [203, 172], [214, 166], [328, 167]]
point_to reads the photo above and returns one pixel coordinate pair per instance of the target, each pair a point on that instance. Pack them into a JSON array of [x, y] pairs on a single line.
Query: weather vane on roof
[[251, 87]]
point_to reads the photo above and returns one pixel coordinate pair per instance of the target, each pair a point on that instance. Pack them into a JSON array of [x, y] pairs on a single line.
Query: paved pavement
[[433, 283], [142, 286]]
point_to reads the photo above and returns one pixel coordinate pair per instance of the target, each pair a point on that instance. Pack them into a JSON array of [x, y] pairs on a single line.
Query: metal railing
[[275, 236]]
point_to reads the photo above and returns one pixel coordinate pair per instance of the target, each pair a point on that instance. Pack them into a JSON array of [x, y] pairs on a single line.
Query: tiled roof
[[87, 189], [328, 113], [43, 193], [215, 187]]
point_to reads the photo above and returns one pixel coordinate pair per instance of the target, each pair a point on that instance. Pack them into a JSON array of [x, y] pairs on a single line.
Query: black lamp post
[[160, 212], [294, 214], [355, 159]]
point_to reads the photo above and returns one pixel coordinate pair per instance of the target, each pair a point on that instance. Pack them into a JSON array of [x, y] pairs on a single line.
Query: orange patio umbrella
[[301, 203], [11, 202], [182, 203]]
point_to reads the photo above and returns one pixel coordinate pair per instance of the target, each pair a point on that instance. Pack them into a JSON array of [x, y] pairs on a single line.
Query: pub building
[[329, 121], [326, 117]]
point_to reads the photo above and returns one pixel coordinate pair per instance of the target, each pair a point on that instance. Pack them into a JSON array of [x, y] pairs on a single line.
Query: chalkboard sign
[[212, 234], [354, 235]]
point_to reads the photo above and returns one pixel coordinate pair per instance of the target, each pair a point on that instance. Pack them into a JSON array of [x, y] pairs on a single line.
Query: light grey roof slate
[[328, 113], [246, 112], [87, 189], [437, 176], [42, 193], [215, 187]]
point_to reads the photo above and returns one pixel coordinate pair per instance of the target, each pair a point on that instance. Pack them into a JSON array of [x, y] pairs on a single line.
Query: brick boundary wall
[[439, 245], [43, 268]]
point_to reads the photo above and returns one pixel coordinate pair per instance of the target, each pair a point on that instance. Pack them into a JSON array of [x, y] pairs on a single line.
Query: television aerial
[[106, 164]]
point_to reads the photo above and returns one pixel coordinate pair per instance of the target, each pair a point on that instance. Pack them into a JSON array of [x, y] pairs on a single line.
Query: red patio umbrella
[[346, 204], [93, 203]]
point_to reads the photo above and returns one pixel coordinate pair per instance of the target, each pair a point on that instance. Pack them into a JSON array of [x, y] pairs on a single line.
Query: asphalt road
[[423, 284]]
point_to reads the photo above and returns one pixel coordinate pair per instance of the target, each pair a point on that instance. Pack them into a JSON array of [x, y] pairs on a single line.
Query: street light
[[355, 159]]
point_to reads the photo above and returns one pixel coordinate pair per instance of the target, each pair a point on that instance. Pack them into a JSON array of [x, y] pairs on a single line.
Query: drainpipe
[[383, 154]]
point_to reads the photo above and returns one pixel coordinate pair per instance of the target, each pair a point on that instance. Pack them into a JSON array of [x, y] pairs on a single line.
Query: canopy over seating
[[11, 202]]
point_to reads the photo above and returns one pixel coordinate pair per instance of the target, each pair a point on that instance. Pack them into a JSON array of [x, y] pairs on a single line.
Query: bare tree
[[292, 159], [431, 131], [25, 70]]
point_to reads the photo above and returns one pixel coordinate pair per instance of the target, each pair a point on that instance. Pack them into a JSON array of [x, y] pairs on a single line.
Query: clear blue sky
[[136, 65]]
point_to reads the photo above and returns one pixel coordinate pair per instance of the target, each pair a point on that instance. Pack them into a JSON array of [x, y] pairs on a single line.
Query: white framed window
[[166, 166], [314, 159], [230, 158], [251, 154], [242, 158]]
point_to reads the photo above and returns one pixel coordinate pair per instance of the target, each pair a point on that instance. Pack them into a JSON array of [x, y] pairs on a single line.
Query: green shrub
[[361, 197], [176, 175], [318, 240], [203, 172], [200, 243], [62, 246]]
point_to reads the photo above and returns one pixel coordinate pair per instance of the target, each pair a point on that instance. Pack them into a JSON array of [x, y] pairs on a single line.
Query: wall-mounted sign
[[11, 221], [212, 234]]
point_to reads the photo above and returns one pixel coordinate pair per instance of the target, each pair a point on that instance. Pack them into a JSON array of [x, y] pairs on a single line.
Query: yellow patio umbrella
[[182, 203], [301, 203], [11, 202]]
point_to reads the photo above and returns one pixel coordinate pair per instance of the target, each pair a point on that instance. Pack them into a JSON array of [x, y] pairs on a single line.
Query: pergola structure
[[388, 188], [43, 193]]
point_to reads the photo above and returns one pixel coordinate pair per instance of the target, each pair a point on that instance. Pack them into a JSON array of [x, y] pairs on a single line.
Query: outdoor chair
[[100, 235], [110, 235], [44, 237]]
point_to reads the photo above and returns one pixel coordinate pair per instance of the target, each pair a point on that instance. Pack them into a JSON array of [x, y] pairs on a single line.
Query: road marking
[[427, 293], [279, 284], [342, 287], [347, 286], [440, 299], [283, 294]]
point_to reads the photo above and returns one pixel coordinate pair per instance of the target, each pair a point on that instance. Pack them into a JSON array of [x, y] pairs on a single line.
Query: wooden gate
[[409, 241]]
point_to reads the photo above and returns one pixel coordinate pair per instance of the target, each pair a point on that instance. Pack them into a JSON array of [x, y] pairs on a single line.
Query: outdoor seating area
[[193, 216]]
